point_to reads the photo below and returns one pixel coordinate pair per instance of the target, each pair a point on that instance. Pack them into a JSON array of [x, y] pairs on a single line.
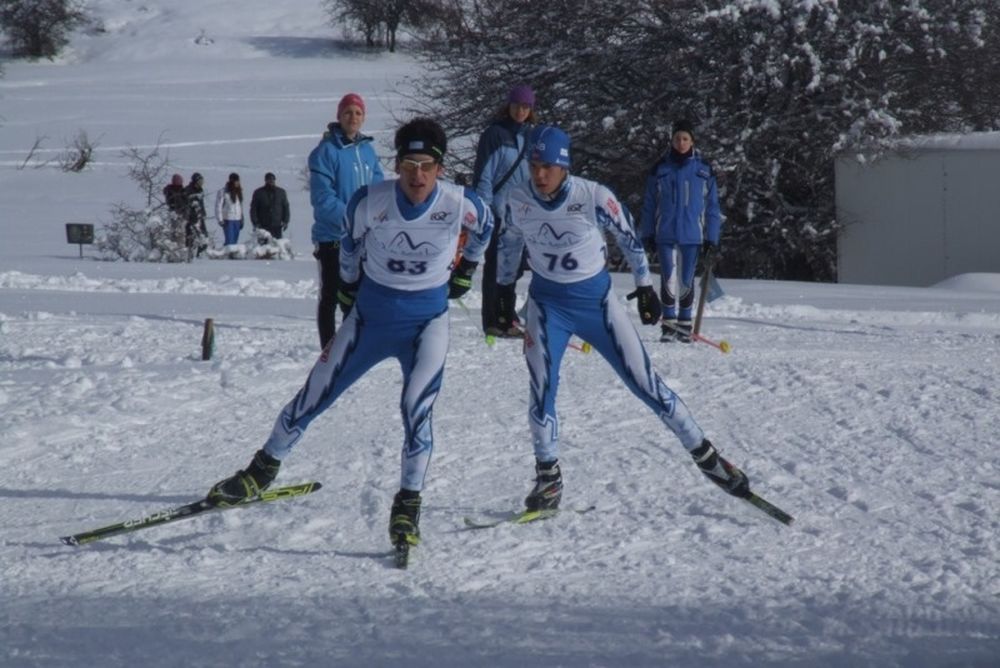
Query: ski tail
[[184, 512], [769, 508]]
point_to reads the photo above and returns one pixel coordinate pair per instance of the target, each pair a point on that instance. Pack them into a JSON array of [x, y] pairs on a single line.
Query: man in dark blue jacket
[[680, 211], [269, 207]]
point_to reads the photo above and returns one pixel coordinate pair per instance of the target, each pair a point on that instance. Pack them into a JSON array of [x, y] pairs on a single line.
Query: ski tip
[[69, 540], [473, 523]]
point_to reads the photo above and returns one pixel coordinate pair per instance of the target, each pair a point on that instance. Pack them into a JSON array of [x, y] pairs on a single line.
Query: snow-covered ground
[[870, 413]]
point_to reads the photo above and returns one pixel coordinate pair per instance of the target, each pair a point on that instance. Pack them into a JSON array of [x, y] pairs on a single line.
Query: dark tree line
[[379, 21], [776, 90], [39, 28]]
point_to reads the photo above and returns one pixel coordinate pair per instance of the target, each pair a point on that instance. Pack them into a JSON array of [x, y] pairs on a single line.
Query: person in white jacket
[[229, 209]]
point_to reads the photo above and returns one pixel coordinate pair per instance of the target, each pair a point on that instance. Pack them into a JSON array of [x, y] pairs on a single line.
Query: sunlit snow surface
[[870, 413]]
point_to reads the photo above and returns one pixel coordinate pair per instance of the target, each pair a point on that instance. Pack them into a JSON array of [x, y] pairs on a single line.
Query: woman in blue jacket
[[680, 210], [343, 161], [501, 166]]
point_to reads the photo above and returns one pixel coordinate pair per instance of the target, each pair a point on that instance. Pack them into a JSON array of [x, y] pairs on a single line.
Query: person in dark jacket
[[343, 161], [195, 232], [176, 202], [269, 207], [173, 195], [680, 210], [500, 166]]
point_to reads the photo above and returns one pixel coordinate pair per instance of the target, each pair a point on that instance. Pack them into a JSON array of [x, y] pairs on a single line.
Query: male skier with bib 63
[[405, 232], [562, 219]]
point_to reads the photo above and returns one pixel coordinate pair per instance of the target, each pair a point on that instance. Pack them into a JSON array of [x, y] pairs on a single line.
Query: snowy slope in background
[[185, 32], [255, 100], [870, 413]]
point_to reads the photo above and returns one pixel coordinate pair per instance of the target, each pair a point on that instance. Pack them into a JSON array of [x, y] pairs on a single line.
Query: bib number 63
[[412, 267]]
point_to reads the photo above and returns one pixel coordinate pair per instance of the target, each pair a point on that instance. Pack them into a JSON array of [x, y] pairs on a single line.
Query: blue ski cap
[[550, 145]]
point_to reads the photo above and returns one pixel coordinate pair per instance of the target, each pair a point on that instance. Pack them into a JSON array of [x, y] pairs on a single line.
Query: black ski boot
[[404, 520], [548, 487], [245, 484], [668, 330], [719, 471], [684, 331]]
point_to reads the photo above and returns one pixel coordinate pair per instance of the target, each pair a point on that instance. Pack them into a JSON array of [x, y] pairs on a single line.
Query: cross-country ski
[[186, 511]]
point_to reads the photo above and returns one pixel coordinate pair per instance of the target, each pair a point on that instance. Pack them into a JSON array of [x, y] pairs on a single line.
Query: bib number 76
[[566, 262]]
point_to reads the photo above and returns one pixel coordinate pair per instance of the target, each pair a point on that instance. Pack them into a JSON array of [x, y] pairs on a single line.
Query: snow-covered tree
[[150, 232], [775, 88]]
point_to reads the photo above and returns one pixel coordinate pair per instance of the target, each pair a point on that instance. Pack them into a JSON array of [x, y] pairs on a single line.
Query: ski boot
[[502, 332], [404, 525], [668, 331], [404, 519], [247, 483], [684, 331], [548, 487], [720, 471]]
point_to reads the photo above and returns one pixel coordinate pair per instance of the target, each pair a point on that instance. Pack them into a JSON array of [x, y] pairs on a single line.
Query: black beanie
[[421, 135], [683, 125]]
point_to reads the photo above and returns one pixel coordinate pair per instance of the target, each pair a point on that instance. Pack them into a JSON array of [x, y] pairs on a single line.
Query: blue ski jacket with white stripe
[[681, 204], [337, 168]]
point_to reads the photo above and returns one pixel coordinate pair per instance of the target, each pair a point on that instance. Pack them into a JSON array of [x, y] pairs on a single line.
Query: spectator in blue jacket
[[680, 210], [500, 166], [343, 161]]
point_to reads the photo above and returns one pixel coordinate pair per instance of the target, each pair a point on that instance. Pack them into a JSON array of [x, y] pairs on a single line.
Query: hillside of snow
[[870, 413]]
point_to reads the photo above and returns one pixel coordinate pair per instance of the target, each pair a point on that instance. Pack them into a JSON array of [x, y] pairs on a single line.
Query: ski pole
[[490, 339], [721, 345], [703, 292]]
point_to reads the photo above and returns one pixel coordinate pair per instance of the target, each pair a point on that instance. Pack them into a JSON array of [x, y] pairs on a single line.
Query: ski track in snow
[[891, 560]]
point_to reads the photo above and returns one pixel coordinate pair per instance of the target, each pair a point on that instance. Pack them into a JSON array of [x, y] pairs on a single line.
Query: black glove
[[709, 248], [461, 278], [649, 304], [346, 294], [649, 245], [506, 297]]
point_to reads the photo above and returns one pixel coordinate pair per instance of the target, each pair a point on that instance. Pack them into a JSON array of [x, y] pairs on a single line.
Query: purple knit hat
[[521, 94]]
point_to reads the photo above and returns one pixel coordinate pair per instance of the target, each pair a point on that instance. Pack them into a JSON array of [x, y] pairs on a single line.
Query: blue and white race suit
[[570, 293], [401, 309]]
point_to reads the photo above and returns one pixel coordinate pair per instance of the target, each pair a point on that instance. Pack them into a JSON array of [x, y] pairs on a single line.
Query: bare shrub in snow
[[151, 232]]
